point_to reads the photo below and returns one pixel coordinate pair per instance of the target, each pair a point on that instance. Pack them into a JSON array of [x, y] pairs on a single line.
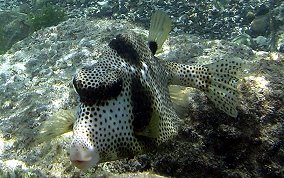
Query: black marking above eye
[[90, 95], [125, 49]]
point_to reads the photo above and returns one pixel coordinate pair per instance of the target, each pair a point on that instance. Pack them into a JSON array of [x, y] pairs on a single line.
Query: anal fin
[[152, 129]]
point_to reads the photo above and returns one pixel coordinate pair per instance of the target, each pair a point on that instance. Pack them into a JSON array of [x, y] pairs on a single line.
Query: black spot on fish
[[142, 105], [125, 50], [90, 95], [153, 46]]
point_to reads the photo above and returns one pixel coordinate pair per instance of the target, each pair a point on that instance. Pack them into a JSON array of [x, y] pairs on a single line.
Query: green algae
[[20, 25], [45, 15]]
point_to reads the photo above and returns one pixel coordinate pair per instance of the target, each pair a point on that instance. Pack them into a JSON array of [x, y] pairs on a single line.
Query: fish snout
[[82, 156]]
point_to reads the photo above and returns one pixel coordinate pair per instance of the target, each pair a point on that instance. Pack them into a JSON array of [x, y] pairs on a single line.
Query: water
[[41, 52]]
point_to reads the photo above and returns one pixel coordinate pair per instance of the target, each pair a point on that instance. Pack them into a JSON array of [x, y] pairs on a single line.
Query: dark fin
[[59, 123], [160, 27]]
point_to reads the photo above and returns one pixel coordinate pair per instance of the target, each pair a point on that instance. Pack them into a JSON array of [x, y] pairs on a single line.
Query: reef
[[260, 21], [35, 82], [16, 25], [36, 73]]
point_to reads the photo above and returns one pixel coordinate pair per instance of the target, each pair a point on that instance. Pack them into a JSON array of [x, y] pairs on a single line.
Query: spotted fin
[[218, 80], [223, 88], [160, 27]]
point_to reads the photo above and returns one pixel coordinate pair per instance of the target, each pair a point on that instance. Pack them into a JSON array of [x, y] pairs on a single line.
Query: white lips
[[83, 157]]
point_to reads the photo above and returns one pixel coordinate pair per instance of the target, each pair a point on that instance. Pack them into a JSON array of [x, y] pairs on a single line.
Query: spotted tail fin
[[160, 27], [218, 80]]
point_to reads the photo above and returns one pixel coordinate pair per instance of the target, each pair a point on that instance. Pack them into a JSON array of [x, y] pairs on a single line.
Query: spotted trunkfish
[[125, 107]]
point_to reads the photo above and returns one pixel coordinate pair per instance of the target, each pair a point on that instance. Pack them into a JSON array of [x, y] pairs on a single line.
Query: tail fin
[[218, 80], [223, 84], [160, 27], [61, 122]]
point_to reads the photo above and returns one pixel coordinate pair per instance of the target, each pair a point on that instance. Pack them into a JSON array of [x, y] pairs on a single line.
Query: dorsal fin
[[160, 27]]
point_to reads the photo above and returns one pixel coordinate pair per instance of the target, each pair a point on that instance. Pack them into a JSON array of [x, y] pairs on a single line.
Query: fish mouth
[[83, 165], [83, 157]]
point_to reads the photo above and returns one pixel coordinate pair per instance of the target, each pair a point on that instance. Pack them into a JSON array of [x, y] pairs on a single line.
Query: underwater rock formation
[[35, 82], [13, 29]]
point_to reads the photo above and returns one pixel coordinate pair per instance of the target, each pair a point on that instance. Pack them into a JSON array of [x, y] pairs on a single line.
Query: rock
[[218, 19], [280, 47], [244, 39], [262, 10], [13, 29], [280, 12], [280, 43], [261, 41], [260, 25], [209, 142], [249, 17]]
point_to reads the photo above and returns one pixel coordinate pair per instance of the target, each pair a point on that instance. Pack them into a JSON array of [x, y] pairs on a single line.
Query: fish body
[[125, 107]]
